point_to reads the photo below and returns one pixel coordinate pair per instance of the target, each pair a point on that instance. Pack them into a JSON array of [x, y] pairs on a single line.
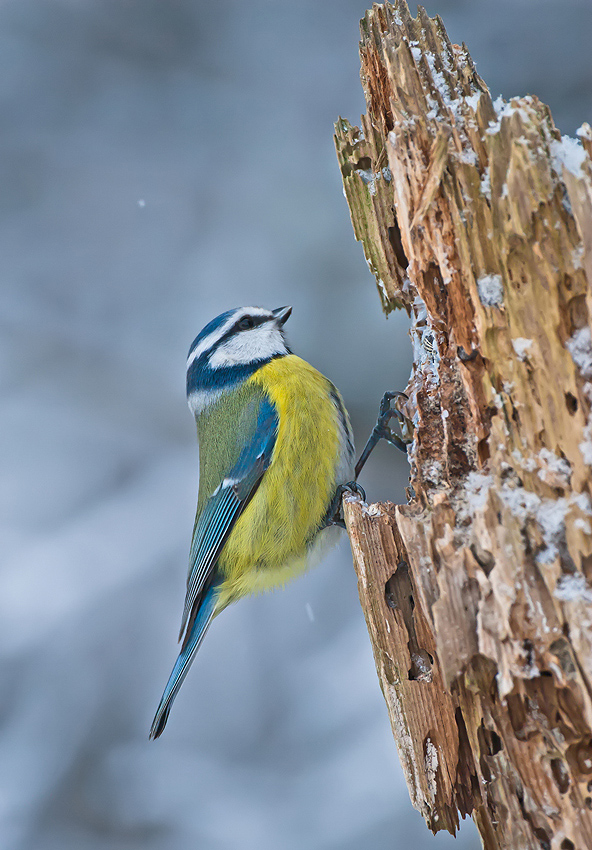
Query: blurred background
[[162, 161]]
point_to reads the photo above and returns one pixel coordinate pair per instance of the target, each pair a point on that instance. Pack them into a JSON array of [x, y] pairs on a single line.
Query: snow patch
[[486, 183], [550, 515], [522, 503], [415, 50], [502, 108], [440, 83], [491, 290], [527, 463], [571, 588], [580, 348], [420, 309], [369, 178], [473, 100], [585, 448], [553, 463], [477, 487], [577, 257], [431, 766], [468, 156], [382, 287], [568, 153], [551, 518], [521, 346], [582, 501]]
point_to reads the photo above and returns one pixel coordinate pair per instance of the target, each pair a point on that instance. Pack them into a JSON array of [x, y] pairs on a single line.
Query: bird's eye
[[246, 323]]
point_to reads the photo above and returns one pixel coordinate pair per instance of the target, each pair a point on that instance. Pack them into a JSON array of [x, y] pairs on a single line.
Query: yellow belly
[[271, 540]]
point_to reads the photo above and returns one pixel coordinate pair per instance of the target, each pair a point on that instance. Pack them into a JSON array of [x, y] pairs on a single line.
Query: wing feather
[[210, 533], [226, 504], [211, 530]]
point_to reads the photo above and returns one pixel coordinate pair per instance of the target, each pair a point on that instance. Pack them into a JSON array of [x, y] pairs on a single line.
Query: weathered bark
[[477, 218]]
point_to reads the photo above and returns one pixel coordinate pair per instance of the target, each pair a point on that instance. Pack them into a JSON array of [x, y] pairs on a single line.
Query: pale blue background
[[217, 117]]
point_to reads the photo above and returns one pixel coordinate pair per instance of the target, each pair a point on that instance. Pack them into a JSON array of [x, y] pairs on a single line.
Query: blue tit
[[276, 448]]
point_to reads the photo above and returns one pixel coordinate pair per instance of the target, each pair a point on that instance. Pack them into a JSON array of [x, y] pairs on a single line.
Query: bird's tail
[[191, 644]]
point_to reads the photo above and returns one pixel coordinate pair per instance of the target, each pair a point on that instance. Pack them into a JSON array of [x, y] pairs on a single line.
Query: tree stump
[[476, 217]]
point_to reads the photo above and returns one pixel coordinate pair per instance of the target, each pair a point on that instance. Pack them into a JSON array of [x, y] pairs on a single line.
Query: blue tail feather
[[185, 659]]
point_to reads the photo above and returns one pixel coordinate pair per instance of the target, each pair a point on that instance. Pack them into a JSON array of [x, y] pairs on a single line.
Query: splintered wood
[[476, 217]]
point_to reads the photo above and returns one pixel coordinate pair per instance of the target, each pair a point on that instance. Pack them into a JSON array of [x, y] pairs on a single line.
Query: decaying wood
[[476, 217]]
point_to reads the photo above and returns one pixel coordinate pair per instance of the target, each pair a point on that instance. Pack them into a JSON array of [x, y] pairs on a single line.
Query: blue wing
[[211, 531]]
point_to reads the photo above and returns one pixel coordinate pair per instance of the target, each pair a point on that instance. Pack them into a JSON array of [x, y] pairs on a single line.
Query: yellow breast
[[270, 541]]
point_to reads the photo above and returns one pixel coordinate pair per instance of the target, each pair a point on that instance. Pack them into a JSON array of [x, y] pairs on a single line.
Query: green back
[[223, 429]]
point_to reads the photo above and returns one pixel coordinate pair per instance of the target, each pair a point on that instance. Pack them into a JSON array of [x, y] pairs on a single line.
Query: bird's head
[[230, 348]]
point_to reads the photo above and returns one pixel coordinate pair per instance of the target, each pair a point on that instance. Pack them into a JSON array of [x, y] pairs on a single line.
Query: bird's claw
[[387, 412], [354, 489], [335, 513], [383, 431]]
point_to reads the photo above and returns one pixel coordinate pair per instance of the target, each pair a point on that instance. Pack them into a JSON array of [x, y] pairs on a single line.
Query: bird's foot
[[383, 430], [335, 511]]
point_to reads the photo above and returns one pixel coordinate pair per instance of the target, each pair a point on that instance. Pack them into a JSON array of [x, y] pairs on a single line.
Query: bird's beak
[[282, 314]]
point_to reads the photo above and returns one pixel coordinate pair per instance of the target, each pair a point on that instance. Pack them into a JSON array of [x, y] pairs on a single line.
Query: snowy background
[[162, 161]]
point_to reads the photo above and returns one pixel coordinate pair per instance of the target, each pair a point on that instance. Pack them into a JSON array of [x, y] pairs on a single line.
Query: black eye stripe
[[254, 322], [234, 329]]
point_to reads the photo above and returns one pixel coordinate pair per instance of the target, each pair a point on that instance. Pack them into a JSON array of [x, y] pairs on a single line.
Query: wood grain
[[476, 217]]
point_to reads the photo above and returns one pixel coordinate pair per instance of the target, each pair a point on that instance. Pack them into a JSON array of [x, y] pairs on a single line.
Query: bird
[[276, 450]]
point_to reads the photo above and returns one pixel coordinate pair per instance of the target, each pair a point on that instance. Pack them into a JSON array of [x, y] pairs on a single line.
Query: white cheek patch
[[211, 339], [260, 343]]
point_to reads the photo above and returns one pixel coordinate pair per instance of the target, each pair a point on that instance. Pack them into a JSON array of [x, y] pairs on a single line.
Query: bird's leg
[[383, 431], [334, 514]]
